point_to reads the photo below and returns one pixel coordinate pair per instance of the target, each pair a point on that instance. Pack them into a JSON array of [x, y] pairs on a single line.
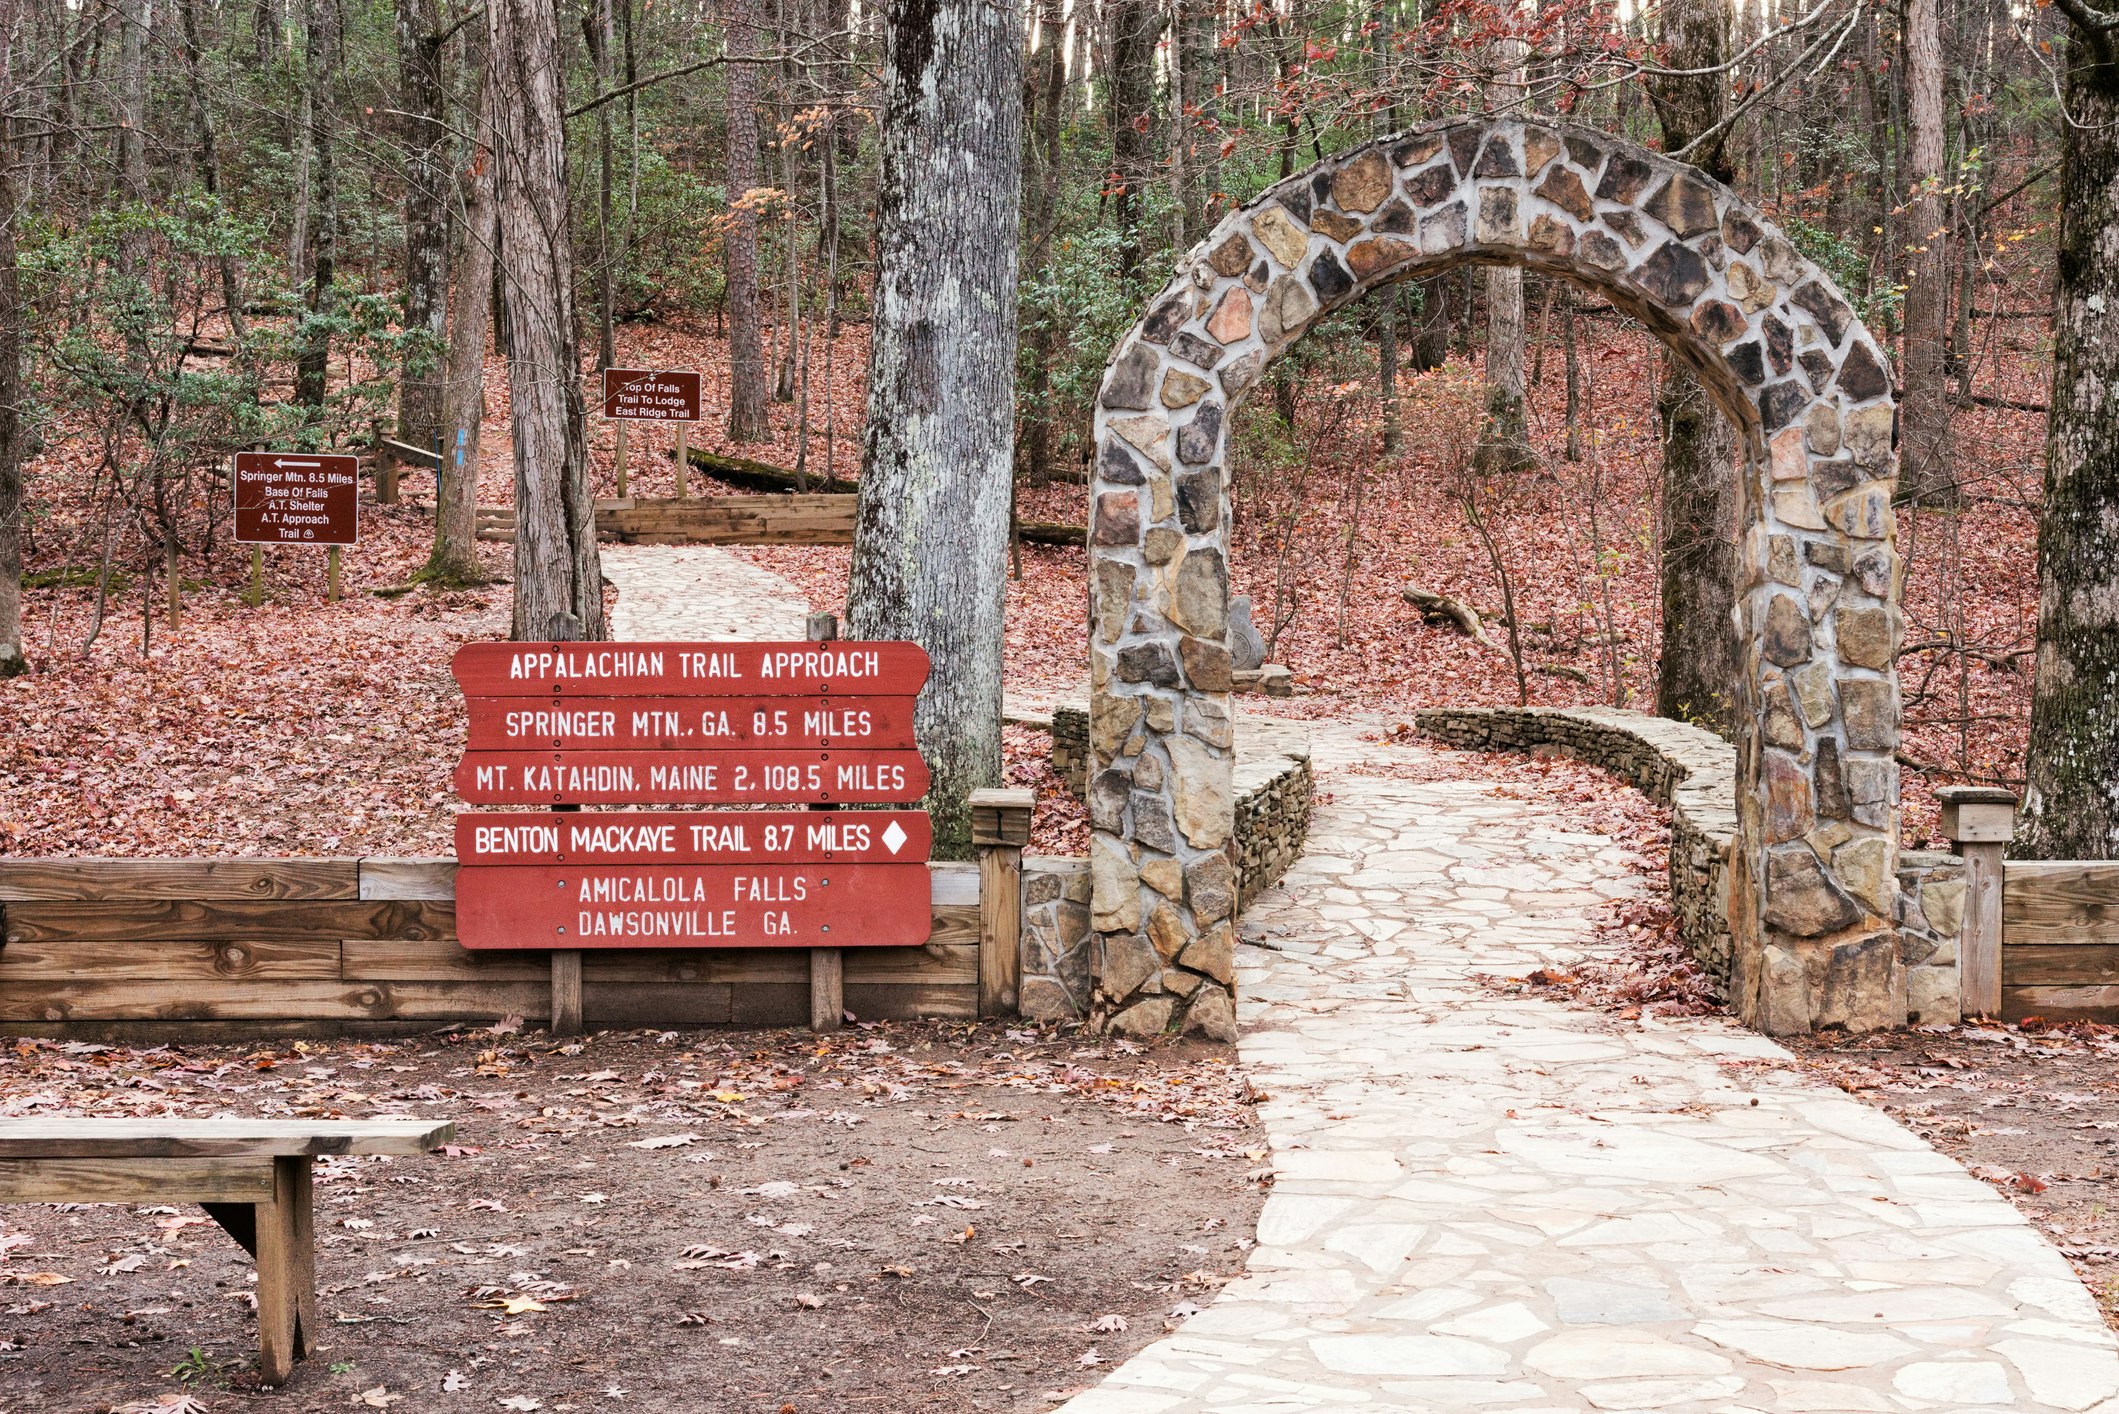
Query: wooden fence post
[[827, 966], [385, 465], [1000, 827], [1979, 822]]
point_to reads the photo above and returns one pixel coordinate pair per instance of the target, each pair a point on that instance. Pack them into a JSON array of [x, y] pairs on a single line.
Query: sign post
[[296, 498], [567, 725], [653, 395]]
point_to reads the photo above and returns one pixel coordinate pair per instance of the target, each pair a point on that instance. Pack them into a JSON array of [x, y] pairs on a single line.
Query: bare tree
[[558, 575], [12, 661], [930, 539], [454, 559], [1701, 658], [746, 355], [1924, 405], [420, 93]]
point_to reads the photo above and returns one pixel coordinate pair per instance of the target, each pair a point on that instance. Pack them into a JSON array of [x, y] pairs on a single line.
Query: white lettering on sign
[[687, 777], [618, 837], [558, 721], [529, 664], [717, 666], [821, 662], [838, 834], [860, 776], [576, 780], [515, 839], [656, 923]]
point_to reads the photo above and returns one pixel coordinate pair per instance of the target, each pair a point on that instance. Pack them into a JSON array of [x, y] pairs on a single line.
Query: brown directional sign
[[691, 777], [695, 905], [751, 724], [688, 723], [651, 395], [297, 498], [853, 668], [657, 837]]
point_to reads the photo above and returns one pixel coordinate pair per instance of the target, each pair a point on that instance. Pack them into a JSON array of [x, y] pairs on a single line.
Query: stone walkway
[[1492, 1202], [698, 592]]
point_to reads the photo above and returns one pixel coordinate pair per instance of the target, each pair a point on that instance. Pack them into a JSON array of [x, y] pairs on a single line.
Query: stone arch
[[1814, 889]]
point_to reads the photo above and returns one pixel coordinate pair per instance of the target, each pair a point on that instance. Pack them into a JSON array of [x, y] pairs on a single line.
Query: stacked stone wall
[[1692, 772], [1687, 770], [1273, 786], [1070, 747]]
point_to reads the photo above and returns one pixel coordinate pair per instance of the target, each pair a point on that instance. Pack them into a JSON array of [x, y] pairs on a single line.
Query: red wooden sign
[[651, 395], [648, 837], [696, 905], [297, 498], [835, 777], [854, 668], [688, 723]]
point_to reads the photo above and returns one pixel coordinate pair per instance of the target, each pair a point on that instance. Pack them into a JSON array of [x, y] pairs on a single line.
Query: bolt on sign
[[753, 724], [297, 498], [651, 395]]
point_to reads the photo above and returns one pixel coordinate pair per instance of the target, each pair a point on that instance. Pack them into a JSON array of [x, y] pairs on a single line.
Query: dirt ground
[[2032, 1109], [947, 1217]]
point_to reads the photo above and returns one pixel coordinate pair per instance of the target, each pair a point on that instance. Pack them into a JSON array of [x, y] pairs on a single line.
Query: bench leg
[[286, 1257]]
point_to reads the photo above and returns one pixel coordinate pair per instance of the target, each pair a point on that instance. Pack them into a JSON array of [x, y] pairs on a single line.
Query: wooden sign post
[[653, 395], [566, 725], [296, 498]]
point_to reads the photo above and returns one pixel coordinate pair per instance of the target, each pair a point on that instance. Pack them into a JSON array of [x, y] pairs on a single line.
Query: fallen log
[[763, 476], [1442, 610]]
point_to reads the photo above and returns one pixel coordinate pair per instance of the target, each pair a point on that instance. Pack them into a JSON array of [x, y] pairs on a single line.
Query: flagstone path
[[699, 592], [1487, 1201]]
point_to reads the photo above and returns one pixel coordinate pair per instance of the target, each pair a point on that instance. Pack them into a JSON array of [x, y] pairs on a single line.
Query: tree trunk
[[454, 559], [312, 365], [2071, 802], [1135, 27], [1925, 470], [209, 156], [558, 575], [601, 28], [1050, 99], [419, 45], [1504, 437], [1702, 658], [746, 356], [12, 661], [930, 538]]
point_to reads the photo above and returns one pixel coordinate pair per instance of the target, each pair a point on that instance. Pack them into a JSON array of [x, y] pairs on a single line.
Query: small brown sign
[[297, 498], [651, 395]]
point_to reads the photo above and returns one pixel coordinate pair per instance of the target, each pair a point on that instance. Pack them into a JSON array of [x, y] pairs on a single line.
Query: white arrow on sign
[[282, 461]]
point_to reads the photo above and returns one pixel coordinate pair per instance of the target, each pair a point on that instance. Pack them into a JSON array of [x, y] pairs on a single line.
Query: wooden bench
[[252, 1176]]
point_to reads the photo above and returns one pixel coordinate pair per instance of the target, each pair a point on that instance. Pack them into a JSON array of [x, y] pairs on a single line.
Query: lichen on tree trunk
[[2071, 801], [558, 575], [930, 539]]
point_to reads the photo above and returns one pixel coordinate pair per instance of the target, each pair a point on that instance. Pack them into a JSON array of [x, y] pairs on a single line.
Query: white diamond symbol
[[894, 836]]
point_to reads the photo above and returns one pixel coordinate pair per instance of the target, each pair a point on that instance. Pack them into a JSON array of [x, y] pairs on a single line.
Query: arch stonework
[[1775, 345]]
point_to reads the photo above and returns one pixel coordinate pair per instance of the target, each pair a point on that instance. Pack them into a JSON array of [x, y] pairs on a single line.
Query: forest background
[[271, 223]]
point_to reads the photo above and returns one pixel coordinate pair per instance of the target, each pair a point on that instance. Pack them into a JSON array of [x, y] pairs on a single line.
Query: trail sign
[[572, 724], [688, 723], [297, 498], [691, 777], [854, 668], [698, 905], [651, 395]]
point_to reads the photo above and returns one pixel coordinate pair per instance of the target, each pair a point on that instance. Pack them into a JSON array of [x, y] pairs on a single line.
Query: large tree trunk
[[454, 559], [746, 354], [312, 365], [419, 46], [1924, 401], [601, 27], [1702, 657], [930, 540], [1136, 25], [1048, 101], [208, 160], [12, 661], [2071, 804], [558, 575], [1504, 436]]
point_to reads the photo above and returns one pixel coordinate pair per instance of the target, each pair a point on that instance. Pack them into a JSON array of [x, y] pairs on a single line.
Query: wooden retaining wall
[[2060, 940], [173, 949]]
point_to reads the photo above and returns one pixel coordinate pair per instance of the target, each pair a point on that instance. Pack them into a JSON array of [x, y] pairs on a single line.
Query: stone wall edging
[[1273, 789]]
